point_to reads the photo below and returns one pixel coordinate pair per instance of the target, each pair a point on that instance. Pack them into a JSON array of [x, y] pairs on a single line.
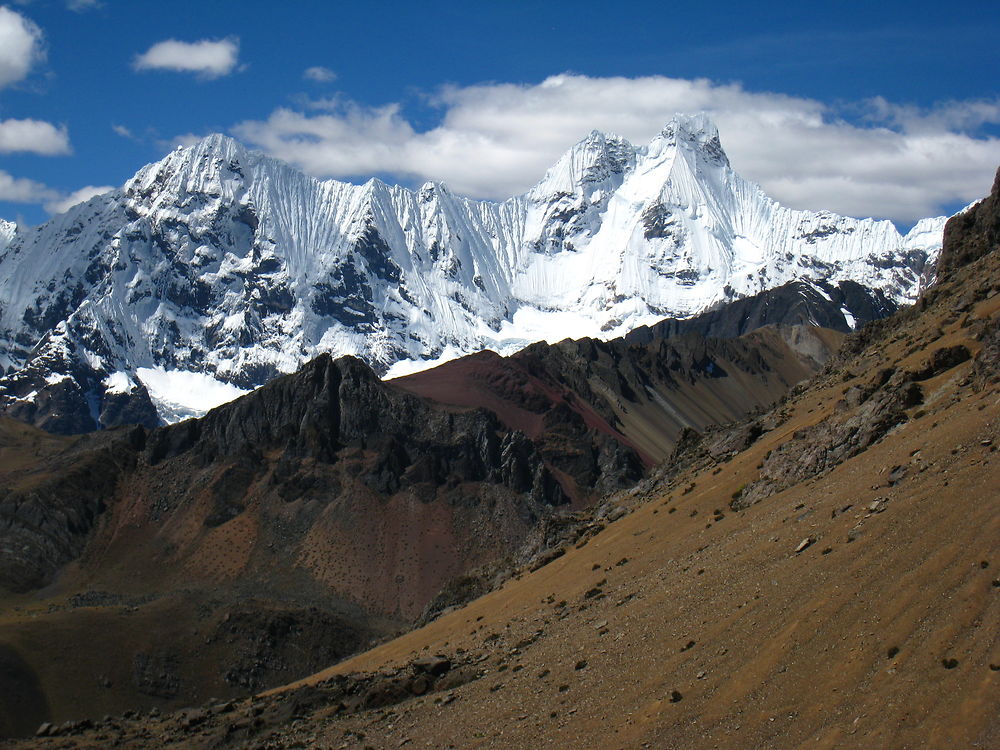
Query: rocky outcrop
[[986, 367], [971, 234], [335, 405], [841, 307], [863, 417], [47, 514], [75, 400]]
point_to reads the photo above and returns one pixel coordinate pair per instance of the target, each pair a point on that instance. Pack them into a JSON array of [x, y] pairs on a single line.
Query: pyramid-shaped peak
[[691, 126], [600, 137], [217, 144], [593, 159], [693, 131], [431, 187]]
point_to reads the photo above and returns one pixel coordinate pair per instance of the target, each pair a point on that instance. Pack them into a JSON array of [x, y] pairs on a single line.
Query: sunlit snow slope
[[225, 262]]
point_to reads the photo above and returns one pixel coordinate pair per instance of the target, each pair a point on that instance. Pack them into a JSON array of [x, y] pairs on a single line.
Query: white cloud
[[21, 190], [79, 6], [57, 206], [495, 140], [33, 136], [123, 131], [319, 74], [179, 141], [952, 115], [20, 46], [208, 58]]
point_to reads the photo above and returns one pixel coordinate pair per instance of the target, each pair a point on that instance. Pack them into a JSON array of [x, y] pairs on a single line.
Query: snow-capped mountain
[[219, 267]]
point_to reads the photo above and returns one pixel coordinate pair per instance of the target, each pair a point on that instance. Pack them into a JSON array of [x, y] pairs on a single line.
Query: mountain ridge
[[291, 526], [823, 574], [227, 263]]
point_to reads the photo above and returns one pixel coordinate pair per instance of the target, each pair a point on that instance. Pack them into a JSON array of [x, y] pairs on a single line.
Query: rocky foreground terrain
[[822, 575], [328, 510]]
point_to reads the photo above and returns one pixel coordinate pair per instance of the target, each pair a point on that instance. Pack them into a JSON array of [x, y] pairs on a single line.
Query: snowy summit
[[220, 261]]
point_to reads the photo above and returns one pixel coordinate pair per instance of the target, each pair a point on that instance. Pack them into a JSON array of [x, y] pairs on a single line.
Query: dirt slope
[[640, 394]]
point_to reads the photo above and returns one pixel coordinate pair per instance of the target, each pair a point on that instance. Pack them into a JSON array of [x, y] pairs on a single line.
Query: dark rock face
[[156, 675], [47, 523], [268, 646], [134, 407], [332, 405], [941, 360], [73, 403], [795, 303], [986, 367], [972, 234], [861, 420]]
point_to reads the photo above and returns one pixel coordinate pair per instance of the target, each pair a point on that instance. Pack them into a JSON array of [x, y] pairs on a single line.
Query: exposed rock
[[432, 665], [971, 234], [805, 544], [986, 367], [942, 360], [47, 523], [156, 674], [814, 450], [796, 303]]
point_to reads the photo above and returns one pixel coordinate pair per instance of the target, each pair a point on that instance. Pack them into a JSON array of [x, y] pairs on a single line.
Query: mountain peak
[[217, 143], [693, 132], [223, 261], [691, 127], [593, 159], [7, 231]]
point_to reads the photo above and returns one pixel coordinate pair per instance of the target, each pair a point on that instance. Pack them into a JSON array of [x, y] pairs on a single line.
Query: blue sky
[[889, 110]]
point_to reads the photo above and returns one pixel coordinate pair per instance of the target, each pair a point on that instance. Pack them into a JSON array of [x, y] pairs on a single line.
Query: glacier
[[221, 261]]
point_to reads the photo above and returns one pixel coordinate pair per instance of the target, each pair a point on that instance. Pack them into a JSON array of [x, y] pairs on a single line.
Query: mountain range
[[775, 540], [217, 268]]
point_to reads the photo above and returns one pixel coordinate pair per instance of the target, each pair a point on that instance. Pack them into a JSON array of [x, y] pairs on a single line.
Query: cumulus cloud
[[58, 205], [180, 141], [496, 140], [20, 46], [123, 131], [33, 136], [22, 190], [319, 74], [207, 58]]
